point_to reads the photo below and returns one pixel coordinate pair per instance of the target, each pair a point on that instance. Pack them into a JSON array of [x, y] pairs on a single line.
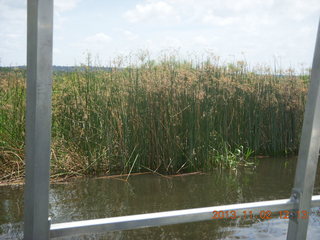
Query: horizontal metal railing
[[172, 217]]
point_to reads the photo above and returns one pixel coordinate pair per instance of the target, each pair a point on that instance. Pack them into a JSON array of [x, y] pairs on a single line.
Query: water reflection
[[98, 198]]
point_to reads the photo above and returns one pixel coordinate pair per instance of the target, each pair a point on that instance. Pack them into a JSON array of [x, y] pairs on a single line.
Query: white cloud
[[130, 35], [98, 38], [299, 9], [261, 28], [150, 45], [151, 10], [65, 5], [220, 12], [201, 40], [213, 19], [13, 17], [60, 7], [57, 51], [97, 45], [245, 5], [171, 42]]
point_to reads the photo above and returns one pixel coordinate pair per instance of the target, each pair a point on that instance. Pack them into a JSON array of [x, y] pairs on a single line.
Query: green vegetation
[[167, 116]]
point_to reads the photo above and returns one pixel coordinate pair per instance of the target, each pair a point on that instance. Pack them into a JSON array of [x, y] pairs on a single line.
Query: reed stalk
[[168, 116]]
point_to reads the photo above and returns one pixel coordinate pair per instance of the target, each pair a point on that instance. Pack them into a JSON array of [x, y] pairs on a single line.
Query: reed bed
[[163, 116]]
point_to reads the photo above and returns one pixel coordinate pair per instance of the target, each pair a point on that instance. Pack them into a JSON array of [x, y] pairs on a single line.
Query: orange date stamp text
[[263, 214]]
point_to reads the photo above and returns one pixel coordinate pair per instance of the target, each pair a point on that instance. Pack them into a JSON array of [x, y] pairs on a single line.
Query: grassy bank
[[170, 117]]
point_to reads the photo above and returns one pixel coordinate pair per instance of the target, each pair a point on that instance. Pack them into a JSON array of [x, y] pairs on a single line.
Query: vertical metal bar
[[38, 118], [308, 153]]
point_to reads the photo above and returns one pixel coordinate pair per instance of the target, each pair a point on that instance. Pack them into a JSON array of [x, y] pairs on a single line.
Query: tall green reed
[[168, 116]]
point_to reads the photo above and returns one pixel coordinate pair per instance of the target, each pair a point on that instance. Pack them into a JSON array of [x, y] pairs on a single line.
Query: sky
[[267, 32]]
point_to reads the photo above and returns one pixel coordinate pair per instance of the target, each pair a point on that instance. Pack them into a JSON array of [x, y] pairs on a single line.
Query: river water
[[85, 199]]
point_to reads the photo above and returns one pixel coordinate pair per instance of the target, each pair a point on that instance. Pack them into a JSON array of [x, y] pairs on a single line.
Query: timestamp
[[263, 214]]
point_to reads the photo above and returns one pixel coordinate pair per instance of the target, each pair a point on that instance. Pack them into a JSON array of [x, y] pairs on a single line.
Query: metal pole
[[308, 153], [38, 118]]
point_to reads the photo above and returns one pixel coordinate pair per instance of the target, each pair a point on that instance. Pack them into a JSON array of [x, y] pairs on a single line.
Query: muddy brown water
[[85, 199]]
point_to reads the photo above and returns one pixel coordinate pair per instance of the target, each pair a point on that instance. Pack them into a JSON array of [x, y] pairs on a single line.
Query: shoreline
[[120, 177], [56, 179]]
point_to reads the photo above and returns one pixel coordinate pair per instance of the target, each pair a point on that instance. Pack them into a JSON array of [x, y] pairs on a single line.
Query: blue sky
[[258, 31]]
